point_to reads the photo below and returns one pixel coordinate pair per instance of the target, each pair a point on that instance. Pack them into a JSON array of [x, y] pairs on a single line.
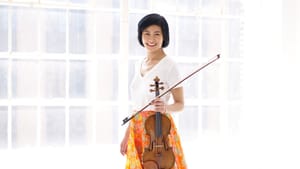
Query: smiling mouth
[[151, 45]]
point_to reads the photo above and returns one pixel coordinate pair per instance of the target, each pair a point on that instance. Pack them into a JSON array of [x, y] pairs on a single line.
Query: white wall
[[270, 124]]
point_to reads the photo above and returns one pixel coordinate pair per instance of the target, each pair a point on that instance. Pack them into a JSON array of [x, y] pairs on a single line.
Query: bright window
[[65, 68]]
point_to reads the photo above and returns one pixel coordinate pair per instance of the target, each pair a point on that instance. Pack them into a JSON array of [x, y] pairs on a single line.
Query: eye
[[146, 33]]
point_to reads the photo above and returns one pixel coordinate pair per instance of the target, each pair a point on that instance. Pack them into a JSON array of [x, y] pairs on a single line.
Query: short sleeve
[[174, 75]]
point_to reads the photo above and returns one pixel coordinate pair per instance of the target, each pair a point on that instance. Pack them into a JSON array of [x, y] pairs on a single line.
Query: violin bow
[[125, 120]]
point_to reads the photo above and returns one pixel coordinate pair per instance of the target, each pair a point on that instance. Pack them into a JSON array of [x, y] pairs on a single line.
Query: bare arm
[[178, 104]]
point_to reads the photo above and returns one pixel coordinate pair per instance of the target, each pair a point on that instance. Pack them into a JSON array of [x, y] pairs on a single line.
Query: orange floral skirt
[[138, 140]]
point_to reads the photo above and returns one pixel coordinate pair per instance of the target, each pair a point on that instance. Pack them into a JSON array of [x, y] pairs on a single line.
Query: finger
[[158, 102], [123, 151]]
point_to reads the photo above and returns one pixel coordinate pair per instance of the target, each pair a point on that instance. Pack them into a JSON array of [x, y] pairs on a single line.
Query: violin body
[[158, 154], [159, 151]]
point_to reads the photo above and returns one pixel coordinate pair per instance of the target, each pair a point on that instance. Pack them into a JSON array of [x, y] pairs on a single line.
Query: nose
[[151, 38]]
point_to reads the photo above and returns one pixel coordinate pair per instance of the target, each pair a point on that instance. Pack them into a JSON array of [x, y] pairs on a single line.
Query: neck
[[156, 55]]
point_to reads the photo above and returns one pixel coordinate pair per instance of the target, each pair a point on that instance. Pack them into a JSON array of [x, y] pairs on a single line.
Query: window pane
[[53, 79], [234, 7], [188, 36], [171, 49], [54, 0], [165, 5], [3, 127], [211, 37], [3, 29], [134, 47], [131, 73], [188, 5], [138, 4], [53, 126], [211, 119], [234, 115], [107, 125], [81, 33], [107, 3], [24, 78], [212, 7], [234, 38], [189, 123], [79, 1], [24, 124], [54, 31], [211, 83], [108, 33], [191, 86], [24, 29], [80, 125], [79, 78], [3, 78], [234, 81], [107, 80]]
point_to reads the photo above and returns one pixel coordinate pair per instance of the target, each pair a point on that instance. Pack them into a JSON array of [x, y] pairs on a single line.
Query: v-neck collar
[[152, 69]]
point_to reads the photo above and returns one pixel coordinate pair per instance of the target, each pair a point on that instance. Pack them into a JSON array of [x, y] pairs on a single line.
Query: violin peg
[[156, 79]]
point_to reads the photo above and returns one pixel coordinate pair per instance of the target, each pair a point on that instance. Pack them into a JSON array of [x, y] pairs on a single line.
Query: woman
[[153, 35]]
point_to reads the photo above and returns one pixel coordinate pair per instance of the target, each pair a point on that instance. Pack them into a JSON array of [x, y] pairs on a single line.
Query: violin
[[158, 154]]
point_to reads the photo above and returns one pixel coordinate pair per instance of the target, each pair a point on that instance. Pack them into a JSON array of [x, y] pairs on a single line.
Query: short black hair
[[154, 19]]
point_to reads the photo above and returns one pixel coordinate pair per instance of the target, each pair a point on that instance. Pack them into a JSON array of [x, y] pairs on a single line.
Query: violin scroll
[[156, 85]]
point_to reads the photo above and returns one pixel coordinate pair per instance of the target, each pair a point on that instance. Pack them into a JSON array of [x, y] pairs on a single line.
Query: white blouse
[[166, 70]]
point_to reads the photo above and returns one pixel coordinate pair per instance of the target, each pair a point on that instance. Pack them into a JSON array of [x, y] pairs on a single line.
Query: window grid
[[9, 85], [122, 62]]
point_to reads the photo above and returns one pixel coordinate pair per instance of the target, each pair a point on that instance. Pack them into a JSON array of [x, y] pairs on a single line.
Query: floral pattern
[[138, 140]]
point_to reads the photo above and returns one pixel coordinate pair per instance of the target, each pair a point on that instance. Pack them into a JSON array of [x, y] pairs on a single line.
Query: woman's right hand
[[124, 143]]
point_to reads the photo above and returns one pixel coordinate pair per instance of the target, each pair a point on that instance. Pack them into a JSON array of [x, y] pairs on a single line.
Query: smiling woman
[[153, 35], [66, 68]]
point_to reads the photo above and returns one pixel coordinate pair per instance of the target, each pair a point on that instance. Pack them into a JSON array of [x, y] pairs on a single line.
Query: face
[[152, 38]]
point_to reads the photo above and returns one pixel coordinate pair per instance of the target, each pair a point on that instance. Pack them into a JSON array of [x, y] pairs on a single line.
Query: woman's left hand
[[159, 105]]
